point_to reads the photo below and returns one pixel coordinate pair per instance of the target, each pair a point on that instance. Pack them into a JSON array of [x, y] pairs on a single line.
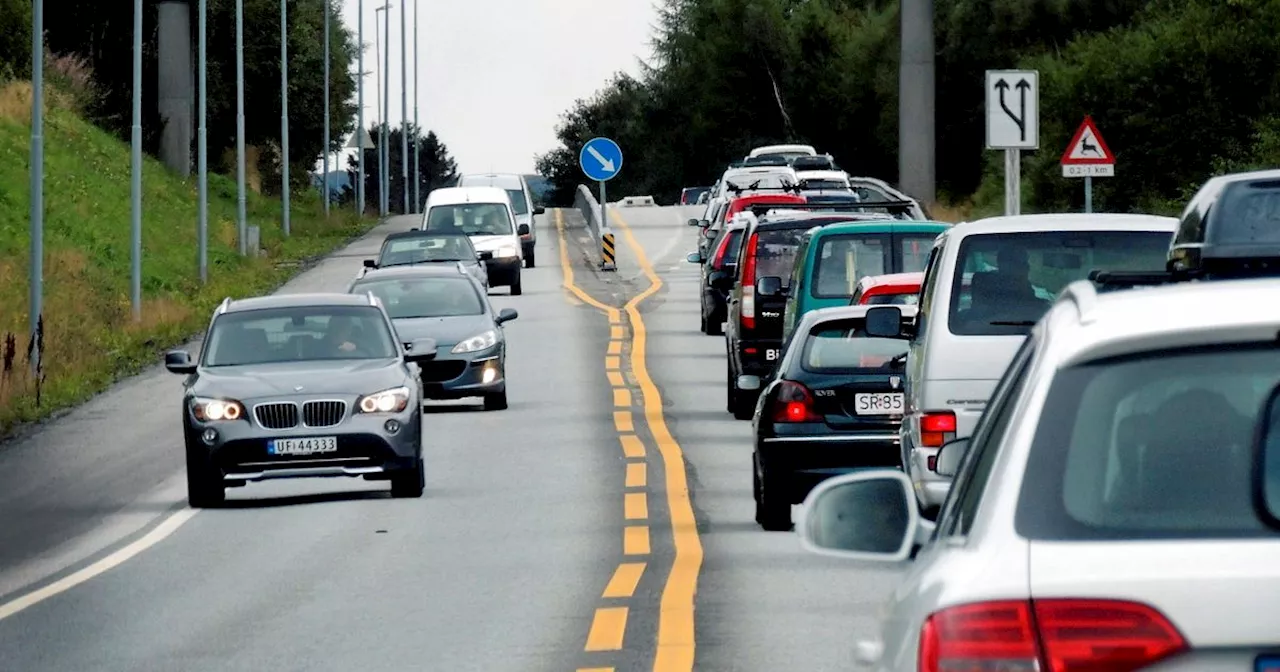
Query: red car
[[896, 288]]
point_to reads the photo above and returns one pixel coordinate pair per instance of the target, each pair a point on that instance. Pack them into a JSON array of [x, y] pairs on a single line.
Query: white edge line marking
[[167, 527]]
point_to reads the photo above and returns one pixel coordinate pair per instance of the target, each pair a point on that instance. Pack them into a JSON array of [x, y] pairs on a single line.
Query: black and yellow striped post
[[608, 252]]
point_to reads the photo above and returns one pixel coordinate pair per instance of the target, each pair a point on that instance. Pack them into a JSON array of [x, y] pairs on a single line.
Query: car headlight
[[386, 401], [507, 251], [478, 342], [213, 410]]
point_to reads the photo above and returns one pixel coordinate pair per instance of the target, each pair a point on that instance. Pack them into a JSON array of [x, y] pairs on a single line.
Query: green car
[[833, 258]]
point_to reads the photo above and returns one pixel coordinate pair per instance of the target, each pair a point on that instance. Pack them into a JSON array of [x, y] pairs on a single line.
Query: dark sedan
[[834, 405], [450, 307], [417, 247], [301, 385]]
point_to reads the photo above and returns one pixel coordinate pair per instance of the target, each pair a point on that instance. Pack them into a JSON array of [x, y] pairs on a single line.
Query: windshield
[[518, 202], [844, 260], [472, 219], [1004, 282], [776, 253], [844, 346], [418, 249], [300, 334], [1146, 447], [425, 297]]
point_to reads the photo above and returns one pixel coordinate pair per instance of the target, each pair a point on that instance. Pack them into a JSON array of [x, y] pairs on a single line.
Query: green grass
[[91, 339]]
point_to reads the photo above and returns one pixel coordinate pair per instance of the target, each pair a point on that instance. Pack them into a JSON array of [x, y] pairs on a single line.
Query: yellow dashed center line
[[613, 363], [615, 333], [622, 420], [622, 397], [595, 669], [625, 580], [632, 446], [607, 629], [615, 378], [636, 475], [635, 540], [635, 506], [615, 347]]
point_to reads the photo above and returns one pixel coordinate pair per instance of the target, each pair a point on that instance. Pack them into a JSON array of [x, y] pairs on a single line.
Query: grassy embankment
[[91, 339]]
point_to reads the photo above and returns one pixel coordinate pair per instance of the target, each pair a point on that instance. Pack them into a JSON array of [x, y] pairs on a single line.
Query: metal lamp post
[[242, 227], [36, 284], [360, 110], [202, 151], [404, 111], [284, 114], [417, 131], [325, 181], [386, 107]]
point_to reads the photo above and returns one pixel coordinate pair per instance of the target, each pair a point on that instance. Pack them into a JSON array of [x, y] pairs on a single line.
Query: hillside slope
[[90, 337]]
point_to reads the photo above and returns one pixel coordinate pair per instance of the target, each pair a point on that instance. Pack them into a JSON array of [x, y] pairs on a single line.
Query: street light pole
[[202, 151], [325, 181], [386, 107], [377, 83], [135, 186], [417, 132], [36, 284], [241, 223], [404, 111], [360, 110], [284, 113]]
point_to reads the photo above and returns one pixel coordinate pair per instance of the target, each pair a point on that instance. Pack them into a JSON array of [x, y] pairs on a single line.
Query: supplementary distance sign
[[1087, 154], [601, 159], [1013, 109]]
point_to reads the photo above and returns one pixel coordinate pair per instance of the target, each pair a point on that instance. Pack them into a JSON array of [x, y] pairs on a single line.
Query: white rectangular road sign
[[1094, 170], [1013, 109]]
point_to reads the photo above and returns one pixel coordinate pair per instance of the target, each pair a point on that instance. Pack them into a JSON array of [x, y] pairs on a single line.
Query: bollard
[[253, 240], [607, 253]]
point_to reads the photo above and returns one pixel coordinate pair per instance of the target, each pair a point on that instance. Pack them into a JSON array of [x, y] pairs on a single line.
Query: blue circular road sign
[[601, 159]]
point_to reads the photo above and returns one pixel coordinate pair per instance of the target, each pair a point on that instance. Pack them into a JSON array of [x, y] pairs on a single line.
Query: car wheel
[[516, 289], [731, 390], [496, 401], [744, 405], [528, 258], [703, 327], [411, 482], [772, 513], [205, 488], [715, 326]]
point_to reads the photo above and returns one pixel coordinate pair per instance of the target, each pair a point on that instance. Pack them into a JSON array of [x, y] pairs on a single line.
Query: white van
[[522, 204], [986, 284], [486, 216]]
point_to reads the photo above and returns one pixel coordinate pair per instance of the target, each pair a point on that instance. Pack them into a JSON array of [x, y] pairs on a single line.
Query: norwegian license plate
[[886, 403], [304, 446], [1267, 664], [771, 355]]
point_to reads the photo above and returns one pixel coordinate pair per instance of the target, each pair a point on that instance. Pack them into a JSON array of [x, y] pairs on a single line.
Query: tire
[[772, 514], [744, 405], [204, 483], [703, 326], [409, 483], [516, 289], [731, 390], [496, 401], [715, 326], [528, 257]]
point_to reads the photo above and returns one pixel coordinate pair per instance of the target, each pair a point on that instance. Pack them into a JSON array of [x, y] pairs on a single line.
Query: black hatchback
[[834, 405]]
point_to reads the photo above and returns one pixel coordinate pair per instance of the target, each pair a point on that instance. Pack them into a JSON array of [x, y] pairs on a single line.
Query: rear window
[[1004, 282], [1156, 446], [776, 253], [1248, 212], [892, 299], [518, 202], [844, 260], [419, 249], [843, 346]]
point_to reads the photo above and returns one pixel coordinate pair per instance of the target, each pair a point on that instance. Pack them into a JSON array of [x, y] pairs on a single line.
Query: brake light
[[748, 308], [937, 428], [1054, 635], [794, 403]]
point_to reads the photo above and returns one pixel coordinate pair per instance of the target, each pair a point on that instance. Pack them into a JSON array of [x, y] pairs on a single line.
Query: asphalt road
[[603, 522]]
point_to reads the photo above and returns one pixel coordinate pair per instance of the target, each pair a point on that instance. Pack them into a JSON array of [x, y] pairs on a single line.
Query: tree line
[[91, 42], [1180, 89]]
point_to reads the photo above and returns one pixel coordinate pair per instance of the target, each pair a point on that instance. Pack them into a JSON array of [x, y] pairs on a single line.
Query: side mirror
[[868, 515], [486, 255], [370, 263], [694, 222], [769, 286], [506, 315], [523, 230], [420, 350], [884, 322], [694, 258], [704, 223], [179, 361], [947, 461], [1266, 463], [539, 210]]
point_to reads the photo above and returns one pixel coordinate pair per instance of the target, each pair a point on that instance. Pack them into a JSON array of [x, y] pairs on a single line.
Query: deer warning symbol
[[1087, 147]]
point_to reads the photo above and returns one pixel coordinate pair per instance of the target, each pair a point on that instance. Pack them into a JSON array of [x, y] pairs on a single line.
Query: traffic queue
[[1063, 427]]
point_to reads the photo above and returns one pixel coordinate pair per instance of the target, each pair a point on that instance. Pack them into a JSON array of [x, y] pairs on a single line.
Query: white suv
[[522, 205], [483, 214]]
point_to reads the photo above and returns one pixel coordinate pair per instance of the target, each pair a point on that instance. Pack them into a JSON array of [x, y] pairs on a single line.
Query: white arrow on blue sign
[[601, 159]]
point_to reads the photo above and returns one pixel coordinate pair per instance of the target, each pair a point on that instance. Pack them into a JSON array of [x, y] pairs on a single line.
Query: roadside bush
[[15, 47]]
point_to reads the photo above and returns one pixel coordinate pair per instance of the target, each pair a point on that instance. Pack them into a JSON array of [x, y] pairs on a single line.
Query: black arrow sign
[[1020, 119]]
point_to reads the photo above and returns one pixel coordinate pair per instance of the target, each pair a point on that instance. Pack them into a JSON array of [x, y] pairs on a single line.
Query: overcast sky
[[495, 75]]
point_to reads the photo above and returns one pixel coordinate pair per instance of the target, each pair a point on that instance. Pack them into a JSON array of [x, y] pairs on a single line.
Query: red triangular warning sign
[[1087, 148]]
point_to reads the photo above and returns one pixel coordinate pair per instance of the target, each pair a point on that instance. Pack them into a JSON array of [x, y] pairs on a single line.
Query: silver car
[[1112, 509]]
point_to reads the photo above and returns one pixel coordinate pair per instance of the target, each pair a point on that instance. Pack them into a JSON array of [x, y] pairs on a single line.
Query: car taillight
[[937, 429], [1053, 635], [794, 403], [748, 308]]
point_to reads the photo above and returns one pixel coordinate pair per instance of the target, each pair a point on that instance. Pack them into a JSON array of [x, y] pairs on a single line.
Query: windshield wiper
[[1012, 323]]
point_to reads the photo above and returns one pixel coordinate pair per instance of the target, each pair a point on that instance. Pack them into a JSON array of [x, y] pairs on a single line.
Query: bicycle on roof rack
[[850, 207]]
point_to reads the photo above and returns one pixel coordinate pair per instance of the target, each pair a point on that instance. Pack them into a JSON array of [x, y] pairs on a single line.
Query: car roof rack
[[763, 208], [738, 189]]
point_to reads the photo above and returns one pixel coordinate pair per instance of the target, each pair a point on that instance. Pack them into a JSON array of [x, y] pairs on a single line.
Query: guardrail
[[597, 221]]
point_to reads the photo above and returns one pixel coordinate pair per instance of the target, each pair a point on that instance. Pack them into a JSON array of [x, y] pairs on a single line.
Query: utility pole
[[242, 226], [284, 113], [404, 111], [360, 110], [135, 187], [417, 131], [202, 151], [386, 107], [36, 284], [325, 182], [377, 83], [916, 112]]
